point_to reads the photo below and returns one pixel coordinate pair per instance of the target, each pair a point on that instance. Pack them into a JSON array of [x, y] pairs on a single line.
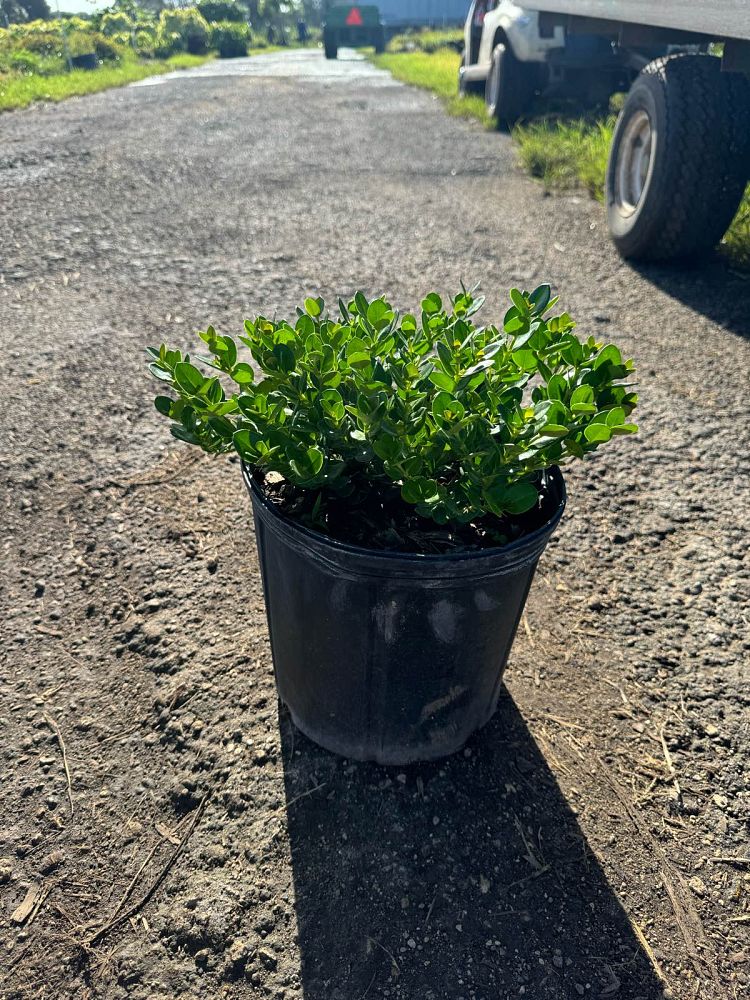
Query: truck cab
[[510, 55], [490, 22]]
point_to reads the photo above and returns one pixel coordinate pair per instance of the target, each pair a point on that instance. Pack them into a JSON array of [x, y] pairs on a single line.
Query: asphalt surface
[[603, 806]]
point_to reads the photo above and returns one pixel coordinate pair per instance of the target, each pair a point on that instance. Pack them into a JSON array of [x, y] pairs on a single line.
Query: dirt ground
[[592, 841]]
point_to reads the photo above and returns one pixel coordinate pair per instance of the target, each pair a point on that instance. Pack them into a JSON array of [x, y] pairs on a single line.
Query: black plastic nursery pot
[[389, 656], [87, 60]]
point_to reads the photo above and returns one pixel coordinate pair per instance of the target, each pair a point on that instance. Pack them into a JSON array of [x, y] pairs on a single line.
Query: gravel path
[[590, 841]]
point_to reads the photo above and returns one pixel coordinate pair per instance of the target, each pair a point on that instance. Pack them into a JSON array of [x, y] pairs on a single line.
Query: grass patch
[[20, 91], [437, 72], [566, 154], [737, 238], [428, 41]]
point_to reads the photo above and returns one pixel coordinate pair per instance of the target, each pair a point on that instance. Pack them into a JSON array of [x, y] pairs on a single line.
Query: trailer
[[397, 15], [352, 25], [679, 161]]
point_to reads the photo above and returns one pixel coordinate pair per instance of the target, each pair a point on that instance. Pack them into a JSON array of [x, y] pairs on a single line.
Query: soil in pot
[[382, 520]]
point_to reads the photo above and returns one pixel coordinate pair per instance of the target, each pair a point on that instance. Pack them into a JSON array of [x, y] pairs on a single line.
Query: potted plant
[[404, 475]]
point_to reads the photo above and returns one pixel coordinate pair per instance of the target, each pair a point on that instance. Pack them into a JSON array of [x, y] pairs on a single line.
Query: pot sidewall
[[391, 657]]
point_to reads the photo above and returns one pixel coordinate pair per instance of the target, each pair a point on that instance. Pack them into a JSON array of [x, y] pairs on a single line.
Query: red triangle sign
[[354, 17]]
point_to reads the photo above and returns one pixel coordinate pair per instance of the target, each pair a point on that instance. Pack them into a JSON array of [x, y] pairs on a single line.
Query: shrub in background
[[145, 40], [80, 43], [427, 41], [22, 61], [105, 48], [167, 43], [230, 39], [189, 25], [221, 10], [116, 23], [44, 43]]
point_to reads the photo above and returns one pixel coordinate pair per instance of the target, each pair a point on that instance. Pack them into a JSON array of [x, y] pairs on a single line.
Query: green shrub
[[22, 61], [167, 44], [428, 41], [43, 43], [461, 418], [80, 43], [217, 11], [230, 39], [146, 41], [116, 23], [105, 48], [191, 28]]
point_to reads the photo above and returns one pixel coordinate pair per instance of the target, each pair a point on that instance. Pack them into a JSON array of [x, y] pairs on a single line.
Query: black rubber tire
[[700, 159], [380, 41], [510, 87], [466, 87], [330, 47]]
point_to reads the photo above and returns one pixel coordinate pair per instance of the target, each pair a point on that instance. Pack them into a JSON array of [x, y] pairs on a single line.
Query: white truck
[[680, 156], [510, 60]]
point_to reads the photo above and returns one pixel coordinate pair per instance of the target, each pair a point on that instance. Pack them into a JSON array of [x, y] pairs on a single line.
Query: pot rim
[[525, 542]]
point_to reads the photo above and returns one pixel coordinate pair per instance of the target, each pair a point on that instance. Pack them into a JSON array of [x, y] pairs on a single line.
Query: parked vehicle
[[511, 60], [680, 156], [353, 26]]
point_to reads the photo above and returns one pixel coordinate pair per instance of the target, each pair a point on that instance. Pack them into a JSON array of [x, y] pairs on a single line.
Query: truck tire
[[330, 47], [680, 159], [379, 41], [509, 88]]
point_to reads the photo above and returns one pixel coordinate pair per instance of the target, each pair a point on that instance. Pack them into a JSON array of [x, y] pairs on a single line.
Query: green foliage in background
[[217, 11], [130, 41], [116, 23], [19, 90], [188, 25], [230, 39], [461, 417]]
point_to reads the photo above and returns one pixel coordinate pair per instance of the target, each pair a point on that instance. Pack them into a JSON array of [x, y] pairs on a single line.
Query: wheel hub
[[633, 163]]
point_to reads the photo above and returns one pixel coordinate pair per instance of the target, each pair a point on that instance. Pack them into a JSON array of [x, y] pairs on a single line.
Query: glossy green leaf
[[187, 377], [597, 432], [432, 303], [242, 373]]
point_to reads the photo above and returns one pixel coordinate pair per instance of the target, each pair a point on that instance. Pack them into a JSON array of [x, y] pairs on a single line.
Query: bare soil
[[164, 831]]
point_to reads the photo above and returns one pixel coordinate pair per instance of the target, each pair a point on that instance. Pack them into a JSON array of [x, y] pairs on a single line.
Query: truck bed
[[718, 18]]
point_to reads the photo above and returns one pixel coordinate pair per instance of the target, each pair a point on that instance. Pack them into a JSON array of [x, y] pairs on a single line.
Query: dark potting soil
[[381, 519]]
